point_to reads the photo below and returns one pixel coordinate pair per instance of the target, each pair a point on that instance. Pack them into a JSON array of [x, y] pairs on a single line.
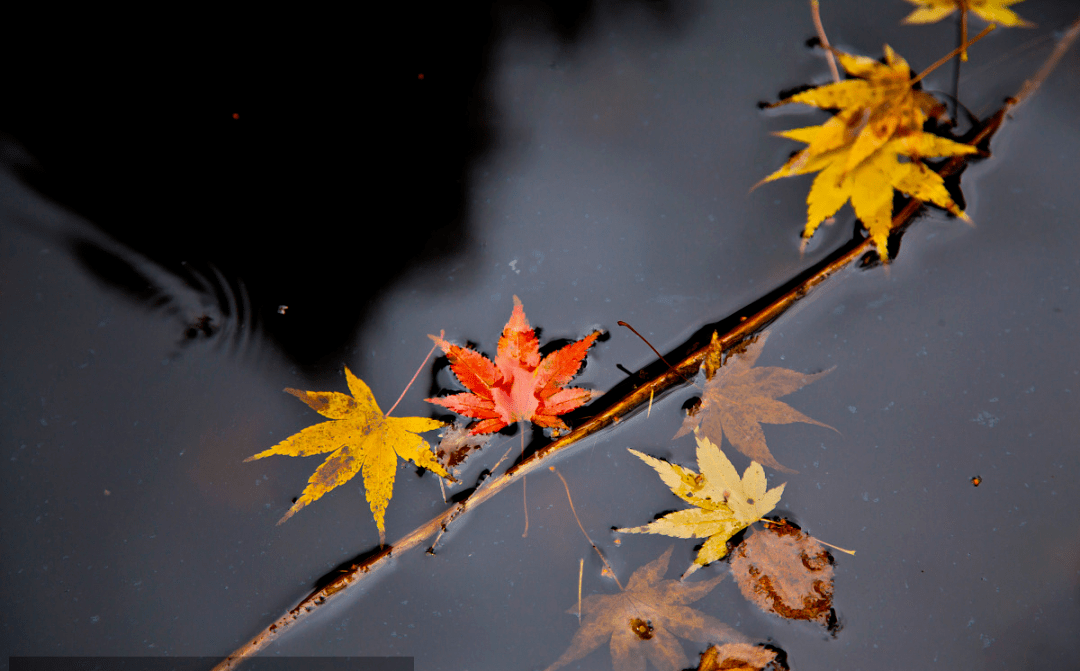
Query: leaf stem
[[586, 534], [1032, 85], [644, 340], [961, 27], [417, 373], [815, 11], [524, 482], [580, 575], [945, 59], [835, 547]]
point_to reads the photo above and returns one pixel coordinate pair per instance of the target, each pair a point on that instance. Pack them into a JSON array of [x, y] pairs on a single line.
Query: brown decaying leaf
[[739, 398], [457, 443], [736, 657], [643, 620], [786, 572]]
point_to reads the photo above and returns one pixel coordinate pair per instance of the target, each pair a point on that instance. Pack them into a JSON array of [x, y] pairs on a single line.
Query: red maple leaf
[[518, 385]]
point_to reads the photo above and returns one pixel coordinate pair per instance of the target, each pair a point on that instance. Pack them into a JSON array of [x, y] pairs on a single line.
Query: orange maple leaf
[[518, 385]]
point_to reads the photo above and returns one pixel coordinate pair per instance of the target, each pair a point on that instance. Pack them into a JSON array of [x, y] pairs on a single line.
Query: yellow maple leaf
[[880, 103], [725, 504], [361, 439], [880, 118], [869, 185], [993, 11]]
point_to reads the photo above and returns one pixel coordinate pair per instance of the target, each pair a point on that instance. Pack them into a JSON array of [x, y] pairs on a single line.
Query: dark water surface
[[604, 173]]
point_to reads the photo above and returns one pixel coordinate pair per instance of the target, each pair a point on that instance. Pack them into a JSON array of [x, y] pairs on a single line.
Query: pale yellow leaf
[[725, 503]]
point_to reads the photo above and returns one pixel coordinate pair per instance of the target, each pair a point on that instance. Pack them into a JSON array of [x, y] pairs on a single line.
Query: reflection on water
[[616, 189]]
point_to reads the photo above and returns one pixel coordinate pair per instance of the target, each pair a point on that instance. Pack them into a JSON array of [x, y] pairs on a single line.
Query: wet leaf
[[873, 145], [361, 439], [785, 571], [725, 503], [518, 385], [736, 657], [996, 12], [877, 105], [456, 444], [992, 11], [643, 621], [739, 398]]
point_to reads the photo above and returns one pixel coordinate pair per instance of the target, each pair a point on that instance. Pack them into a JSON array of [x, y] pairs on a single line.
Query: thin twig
[[963, 30], [945, 59], [441, 334], [1032, 85], [644, 340], [815, 11], [431, 548], [585, 533], [836, 547], [782, 522], [524, 484], [580, 575], [961, 37]]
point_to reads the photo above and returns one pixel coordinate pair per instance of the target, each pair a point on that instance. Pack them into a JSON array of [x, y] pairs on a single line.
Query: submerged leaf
[[642, 621], [456, 444], [725, 503], [786, 572], [362, 440], [739, 398], [736, 657], [518, 385]]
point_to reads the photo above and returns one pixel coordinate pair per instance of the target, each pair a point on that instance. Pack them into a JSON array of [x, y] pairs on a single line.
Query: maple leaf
[[518, 385], [725, 504], [880, 103], [739, 397], [858, 151], [360, 438], [786, 572], [992, 11], [643, 620]]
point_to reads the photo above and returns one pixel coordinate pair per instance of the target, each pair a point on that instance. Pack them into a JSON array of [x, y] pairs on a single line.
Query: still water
[[611, 181]]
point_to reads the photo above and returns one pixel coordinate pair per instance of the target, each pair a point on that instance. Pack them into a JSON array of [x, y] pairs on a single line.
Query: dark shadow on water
[[346, 164]]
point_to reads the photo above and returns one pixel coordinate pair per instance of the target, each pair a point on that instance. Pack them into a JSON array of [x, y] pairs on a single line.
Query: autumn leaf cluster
[[518, 386], [876, 144]]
